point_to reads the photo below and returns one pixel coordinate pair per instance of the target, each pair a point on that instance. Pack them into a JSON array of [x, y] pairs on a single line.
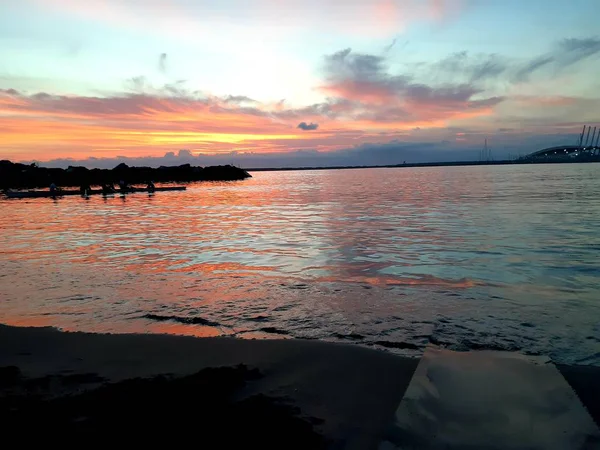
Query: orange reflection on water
[[316, 254], [33, 321], [74, 262]]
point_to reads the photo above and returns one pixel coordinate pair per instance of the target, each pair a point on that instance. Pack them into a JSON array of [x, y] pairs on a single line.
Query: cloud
[[137, 84], [392, 152], [308, 127], [473, 68], [366, 102], [238, 99], [480, 68], [162, 63], [372, 92], [566, 53], [571, 51], [389, 47], [360, 77], [395, 151], [522, 73], [134, 122]]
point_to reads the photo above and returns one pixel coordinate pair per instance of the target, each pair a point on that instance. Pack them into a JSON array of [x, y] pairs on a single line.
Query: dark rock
[[400, 345], [21, 176], [182, 319]]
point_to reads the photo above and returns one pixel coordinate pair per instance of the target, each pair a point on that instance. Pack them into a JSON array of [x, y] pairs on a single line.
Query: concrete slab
[[489, 400]]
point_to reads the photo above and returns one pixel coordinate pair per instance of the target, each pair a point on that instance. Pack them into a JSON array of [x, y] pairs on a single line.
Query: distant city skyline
[[290, 83]]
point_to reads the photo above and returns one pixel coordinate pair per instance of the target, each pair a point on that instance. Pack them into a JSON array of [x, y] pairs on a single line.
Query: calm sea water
[[472, 257]]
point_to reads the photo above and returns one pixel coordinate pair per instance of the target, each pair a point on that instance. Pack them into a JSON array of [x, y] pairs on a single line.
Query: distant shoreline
[[504, 162]]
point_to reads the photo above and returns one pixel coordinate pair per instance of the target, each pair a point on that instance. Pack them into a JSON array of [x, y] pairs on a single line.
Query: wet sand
[[287, 394]]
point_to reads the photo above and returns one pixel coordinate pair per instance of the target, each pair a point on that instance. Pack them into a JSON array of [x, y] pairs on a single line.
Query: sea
[[479, 257]]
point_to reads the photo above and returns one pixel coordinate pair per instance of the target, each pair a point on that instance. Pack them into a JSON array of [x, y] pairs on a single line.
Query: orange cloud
[[365, 104], [43, 126], [133, 122]]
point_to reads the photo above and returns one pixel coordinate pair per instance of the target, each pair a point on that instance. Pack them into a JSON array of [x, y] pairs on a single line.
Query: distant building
[[586, 149], [561, 152]]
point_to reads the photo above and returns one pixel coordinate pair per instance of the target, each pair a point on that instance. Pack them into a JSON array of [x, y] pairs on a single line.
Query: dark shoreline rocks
[[24, 176]]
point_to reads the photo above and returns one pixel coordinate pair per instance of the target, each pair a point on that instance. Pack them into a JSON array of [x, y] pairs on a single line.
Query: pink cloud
[[370, 92], [64, 126], [377, 18]]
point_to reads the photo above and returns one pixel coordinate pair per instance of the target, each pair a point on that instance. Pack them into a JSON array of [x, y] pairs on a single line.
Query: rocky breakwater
[[25, 176]]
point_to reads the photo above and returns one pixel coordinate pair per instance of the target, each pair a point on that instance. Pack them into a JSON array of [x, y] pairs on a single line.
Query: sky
[[269, 83]]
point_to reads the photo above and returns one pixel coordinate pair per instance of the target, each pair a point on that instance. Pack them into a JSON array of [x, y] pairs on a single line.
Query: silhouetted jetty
[[66, 193], [22, 176]]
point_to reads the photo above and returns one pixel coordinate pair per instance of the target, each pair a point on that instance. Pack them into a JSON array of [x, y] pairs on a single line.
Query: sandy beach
[[222, 392], [322, 394]]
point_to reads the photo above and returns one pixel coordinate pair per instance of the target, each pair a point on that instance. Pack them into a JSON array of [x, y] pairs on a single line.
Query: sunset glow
[[112, 79]]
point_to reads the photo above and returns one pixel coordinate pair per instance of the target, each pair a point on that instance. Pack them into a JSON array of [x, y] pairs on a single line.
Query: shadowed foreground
[[204, 407], [231, 393], [213, 392]]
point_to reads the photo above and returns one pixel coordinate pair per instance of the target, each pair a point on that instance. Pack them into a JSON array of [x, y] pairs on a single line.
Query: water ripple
[[474, 257]]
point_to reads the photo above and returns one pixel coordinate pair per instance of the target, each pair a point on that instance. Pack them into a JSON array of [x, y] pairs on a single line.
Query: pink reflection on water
[[314, 253]]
